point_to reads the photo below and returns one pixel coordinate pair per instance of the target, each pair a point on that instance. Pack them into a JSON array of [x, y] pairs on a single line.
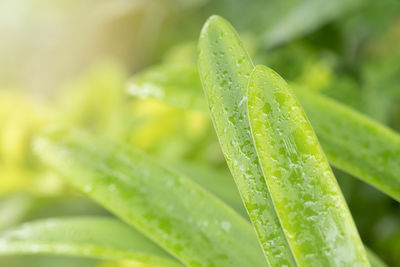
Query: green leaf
[[220, 183], [298, 21], [374, 260], [224, 68], [225, 188], [20, 207], [355, 143], [50, 261], [13, 208], [95, 237], [165, 82], [311, 208], [340, 129], [167, 207]]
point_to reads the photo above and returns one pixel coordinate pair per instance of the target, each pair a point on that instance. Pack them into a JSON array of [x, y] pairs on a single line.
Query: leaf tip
[[213, 23], [265, 73]]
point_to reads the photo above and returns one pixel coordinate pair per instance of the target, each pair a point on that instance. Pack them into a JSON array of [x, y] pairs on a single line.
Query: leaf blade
[[298, 22], [167, 207], [351, 129], [308, 200], [166, 83], [219, 183], [95, 237], [355, 143], [224, 68]]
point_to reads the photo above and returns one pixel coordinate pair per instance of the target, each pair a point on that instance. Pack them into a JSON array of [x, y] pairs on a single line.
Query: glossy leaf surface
[[167, 207], [307, 198], [224, 187], [224, 67], [355, 143], [95, 237], [340, 129]]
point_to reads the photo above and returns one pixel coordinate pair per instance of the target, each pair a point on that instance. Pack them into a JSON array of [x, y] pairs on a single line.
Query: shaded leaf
[[97, 237], [340, 130], [304, 18], [170, 209], [355, 143], [220, 183]]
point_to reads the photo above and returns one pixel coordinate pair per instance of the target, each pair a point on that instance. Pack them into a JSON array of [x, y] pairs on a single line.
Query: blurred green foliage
[[69, 62]]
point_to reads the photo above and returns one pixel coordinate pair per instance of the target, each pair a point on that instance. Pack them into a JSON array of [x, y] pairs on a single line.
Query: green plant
[[174, 214]]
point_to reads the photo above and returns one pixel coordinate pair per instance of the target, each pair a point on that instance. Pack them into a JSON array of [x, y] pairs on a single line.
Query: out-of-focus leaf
[[224, 67], [223, 186], [351, 141], [278, 22], [305, 17], [165, 83], [96, 237], [20, 118], [220, 183], [355, 143], [170, 209], [46, 261], [374, 260], [12, 209], [21, 207], [303, 188], [95, 99], [381, 91]]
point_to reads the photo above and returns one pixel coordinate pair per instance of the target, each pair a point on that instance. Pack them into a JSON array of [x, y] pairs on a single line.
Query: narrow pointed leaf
[[167, 207], [298, 21], [224, 68], [166, 83], [355, 143], [219, 183], [308, 200], [94, 237], [374, 260], [225, 189], [340, 129]]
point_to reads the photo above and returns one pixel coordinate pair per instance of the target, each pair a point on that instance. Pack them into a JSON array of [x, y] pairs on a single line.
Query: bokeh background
[[70, 62]]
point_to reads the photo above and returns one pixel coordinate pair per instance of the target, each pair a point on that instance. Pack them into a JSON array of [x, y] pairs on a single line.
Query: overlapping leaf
[[351, 141], [219, 183], [312, 210], [95, 237], [170, 209], [355, 143], [224, 67], [102, 237]]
